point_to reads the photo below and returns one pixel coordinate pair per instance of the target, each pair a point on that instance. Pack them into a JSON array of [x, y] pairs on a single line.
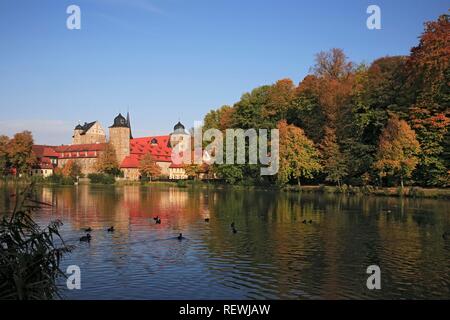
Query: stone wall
[[88, 165], [119, 138], [96, 134]]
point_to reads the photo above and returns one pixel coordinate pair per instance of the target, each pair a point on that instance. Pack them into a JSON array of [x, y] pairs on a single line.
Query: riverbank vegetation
[[29, 255], [383, 124]]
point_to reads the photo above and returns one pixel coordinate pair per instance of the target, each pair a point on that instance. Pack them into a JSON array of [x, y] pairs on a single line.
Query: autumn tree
[[428, 86], [332, 64], [306, 111], [107, 161], [333, 160], [280, 98], [192, 170], [428, 66], [432, 132], [397, 150], [299, 158], [4, 160], [355, 102], [148, 168], [20, 152], [71, 169], [221, 119]]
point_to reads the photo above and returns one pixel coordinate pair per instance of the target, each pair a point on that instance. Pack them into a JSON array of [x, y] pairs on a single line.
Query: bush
[[367, 189], [354, 190], [101, 178], [60, 179], [29, 258], [181, 184]]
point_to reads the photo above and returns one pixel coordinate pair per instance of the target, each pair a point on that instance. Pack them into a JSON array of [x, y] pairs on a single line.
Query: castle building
[[88, 133], [120, 137], [46, 161], [89, 142], [85, 155]]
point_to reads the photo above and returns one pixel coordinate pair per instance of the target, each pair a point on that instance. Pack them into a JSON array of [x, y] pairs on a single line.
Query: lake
[[273, 255]]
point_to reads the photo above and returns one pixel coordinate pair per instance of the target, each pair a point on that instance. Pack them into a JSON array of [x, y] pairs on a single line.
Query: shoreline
[[407, 192]]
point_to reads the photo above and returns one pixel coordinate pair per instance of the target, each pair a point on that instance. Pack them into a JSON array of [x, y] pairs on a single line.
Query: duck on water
[[86, 238]]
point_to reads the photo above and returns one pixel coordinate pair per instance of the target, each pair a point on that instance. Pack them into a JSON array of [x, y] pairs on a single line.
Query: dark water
[[272, 256]]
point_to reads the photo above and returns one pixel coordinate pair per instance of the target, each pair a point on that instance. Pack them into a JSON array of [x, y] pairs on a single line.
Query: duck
[[180, 237], [310, 221], [446, 235], [304, 221], [111, 229], [89, 229], [158, 221], [206, 219], [86, 238], [233, 228]]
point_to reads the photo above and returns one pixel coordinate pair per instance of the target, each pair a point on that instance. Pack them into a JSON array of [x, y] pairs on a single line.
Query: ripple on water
[[273, 255]]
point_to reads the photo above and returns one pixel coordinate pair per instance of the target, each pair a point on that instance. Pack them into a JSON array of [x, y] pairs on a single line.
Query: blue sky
[[170, 60]]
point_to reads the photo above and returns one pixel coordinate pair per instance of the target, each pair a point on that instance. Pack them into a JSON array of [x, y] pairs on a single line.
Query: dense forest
[[383, 124]]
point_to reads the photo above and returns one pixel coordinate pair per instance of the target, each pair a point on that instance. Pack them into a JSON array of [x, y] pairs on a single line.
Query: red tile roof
[[175, 166], [81, 147], [132, 161], [44, 151], [157, 146]]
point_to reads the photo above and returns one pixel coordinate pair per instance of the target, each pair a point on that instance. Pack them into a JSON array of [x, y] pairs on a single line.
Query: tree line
[[382, 124], [17, 159]]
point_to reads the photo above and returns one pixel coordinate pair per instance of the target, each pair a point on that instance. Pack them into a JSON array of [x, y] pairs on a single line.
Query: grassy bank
[[412, 192]]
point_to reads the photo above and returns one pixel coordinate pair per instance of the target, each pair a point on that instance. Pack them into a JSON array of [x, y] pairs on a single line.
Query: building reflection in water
[[273, 255]]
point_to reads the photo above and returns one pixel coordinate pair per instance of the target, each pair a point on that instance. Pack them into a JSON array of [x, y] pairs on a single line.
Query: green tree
[[248, 112], [232, 174]]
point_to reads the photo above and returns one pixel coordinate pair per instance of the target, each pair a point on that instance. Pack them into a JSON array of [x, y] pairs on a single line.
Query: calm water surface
[[272, 256]]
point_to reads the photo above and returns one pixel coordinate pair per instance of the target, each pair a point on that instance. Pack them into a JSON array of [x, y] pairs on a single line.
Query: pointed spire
[[129, 124]]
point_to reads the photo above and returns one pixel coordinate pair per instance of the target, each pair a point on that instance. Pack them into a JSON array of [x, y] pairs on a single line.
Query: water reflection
[[273, 255]]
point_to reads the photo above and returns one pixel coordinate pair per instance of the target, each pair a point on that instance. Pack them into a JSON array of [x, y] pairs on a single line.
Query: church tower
[[76, 138], [179, 136], [119, 137]]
